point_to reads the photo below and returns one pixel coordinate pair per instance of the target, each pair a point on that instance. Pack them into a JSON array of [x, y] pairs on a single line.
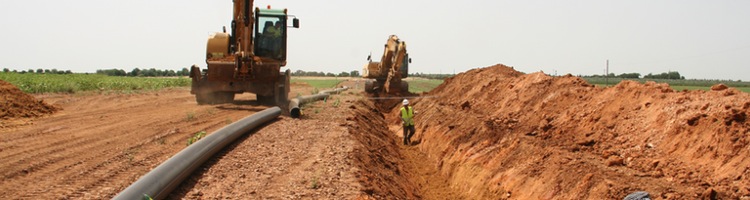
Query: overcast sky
[[699, 39]]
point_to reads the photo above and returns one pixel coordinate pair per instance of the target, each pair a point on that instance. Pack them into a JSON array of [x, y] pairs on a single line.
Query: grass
[[314, 184], [682, 87], [73, 83], [318, 83], [130, 154], [197, 136], [677, 85], [337, 102], [423, 85], [190, 116]]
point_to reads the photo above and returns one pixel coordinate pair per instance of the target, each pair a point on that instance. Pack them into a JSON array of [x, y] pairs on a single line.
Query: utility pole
[[606, 74]]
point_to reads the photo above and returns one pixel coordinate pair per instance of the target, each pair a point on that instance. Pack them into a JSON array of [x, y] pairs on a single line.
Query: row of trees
[[354, 73], [110, 72], [153, 72], [674, 75], [431, 76], [143, 72], [39, 71]]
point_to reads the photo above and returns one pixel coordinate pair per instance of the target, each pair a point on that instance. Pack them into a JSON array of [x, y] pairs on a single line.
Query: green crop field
[[423, 85], [320, 83], [72, 83], [678, 85]]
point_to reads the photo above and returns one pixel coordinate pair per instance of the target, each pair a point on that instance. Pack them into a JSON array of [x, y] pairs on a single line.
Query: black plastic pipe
[[160, 181], [295, 103]]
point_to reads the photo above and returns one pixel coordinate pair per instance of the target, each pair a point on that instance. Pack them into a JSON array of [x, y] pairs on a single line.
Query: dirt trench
[[389, 169], [496, 133]]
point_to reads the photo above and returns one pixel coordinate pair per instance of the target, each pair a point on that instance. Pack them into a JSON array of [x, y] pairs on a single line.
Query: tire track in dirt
[[106, 170], [106, 141], [39, 144], [67, 149]]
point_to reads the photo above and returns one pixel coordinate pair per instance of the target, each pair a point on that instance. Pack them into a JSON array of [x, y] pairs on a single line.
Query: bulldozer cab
[[270, 34]]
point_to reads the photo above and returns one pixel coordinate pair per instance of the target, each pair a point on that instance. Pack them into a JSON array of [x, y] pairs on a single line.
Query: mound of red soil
[[504, 134], [16, 104]]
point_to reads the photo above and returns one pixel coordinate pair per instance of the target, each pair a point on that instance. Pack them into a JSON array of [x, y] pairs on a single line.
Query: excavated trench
[[496, 133], [388, 169]]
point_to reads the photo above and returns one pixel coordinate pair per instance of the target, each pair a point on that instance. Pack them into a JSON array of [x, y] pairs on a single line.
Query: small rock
[[615, 161], [465, 105], [589, 142], [710, 193]]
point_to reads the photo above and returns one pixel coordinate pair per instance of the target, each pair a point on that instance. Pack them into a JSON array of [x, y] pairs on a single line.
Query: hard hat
[[406, 102]]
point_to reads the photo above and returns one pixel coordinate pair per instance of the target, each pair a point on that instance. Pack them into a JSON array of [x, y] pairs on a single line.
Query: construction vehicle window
[[267, 23], [269, 37]]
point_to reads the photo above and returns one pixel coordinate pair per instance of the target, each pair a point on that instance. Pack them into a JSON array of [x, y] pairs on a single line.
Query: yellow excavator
[[386, 76], [248, 59]]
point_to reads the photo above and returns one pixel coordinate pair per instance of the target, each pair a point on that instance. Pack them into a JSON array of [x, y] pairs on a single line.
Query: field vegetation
[[319, 83], [73, 83], [676, 84], [417, 85]]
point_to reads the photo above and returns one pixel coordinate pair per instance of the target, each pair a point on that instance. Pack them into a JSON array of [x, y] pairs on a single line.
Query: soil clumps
[[14, 103], [502, 133]]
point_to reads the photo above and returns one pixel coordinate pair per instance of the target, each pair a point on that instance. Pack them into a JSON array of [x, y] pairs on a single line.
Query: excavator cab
[[270, 33]]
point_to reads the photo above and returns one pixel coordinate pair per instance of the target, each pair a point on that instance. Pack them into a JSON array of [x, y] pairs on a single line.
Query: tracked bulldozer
[[247, 59], [386, 76]]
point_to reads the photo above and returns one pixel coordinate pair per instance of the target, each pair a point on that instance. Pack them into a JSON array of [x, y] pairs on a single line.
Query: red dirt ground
[[14, 103], [498, 133], [101, 143], [490, 133]]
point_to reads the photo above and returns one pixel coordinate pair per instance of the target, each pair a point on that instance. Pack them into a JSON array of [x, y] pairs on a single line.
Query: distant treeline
[[153, 72], [143, 72], [674, 75], [38, 71], [672, 78], [356, 73], [431, 76], [353, 73]]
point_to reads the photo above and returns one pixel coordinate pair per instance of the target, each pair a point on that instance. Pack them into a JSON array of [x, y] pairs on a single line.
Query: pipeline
[[160, 181], [295, 103]]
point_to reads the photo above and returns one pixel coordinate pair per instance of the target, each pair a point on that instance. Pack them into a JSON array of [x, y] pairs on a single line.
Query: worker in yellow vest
[[407, 117]]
